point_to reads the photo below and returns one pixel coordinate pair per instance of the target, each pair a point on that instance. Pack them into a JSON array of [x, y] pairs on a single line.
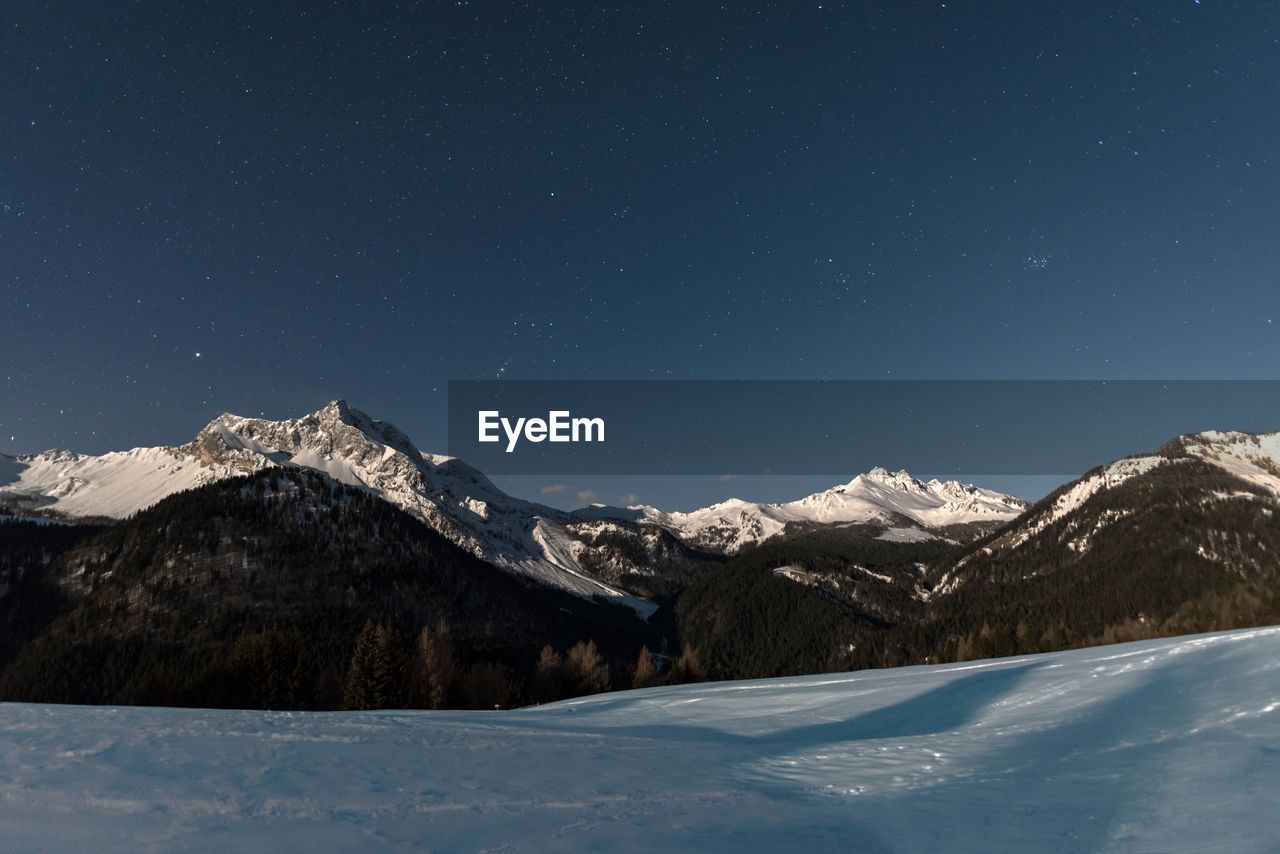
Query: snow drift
[[1168, 745]]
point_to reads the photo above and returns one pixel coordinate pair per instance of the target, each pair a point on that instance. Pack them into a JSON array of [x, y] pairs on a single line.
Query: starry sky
[[259, 207]]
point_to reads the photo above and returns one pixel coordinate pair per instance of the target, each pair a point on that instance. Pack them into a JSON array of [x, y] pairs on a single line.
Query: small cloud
[[629, 498], [588, 496], [554, 489], [725, 478]]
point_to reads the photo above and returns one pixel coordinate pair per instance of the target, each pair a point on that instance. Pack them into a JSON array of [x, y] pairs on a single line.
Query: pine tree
[[587, 668], [549, 676], [644, 674], [687, 668], [419, 672], [284, 680], [376, 677], [434, 667], [389, 683], [358, 691]]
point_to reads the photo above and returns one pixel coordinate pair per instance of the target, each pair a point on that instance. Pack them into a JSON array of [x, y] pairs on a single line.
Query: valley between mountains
[[327, 562]]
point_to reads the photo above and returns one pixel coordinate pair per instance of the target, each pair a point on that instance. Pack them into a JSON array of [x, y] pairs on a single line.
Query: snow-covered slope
[[897, 501], [112, 485], [1169, 745], [1075, 496], [1254, 457], [342, 442]]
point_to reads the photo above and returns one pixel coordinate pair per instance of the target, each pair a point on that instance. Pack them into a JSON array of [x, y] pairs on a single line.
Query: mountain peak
[[900, 479], [340, 410]]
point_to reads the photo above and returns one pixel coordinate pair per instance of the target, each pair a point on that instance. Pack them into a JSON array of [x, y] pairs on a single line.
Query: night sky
[[208, 208]]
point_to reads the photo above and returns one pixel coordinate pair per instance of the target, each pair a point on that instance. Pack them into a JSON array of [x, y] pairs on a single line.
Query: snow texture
[[1251, 457], [1168, 745]]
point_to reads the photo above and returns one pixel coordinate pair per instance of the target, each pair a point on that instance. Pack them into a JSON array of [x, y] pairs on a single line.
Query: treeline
[[387, 673]]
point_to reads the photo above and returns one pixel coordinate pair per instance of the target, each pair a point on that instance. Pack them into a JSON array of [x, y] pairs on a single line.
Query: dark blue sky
[[209, 207]]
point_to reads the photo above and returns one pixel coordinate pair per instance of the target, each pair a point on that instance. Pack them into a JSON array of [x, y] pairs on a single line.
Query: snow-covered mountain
[[1198, 494], [345, 444], [578, 551], [1252, 458], [905, 507]]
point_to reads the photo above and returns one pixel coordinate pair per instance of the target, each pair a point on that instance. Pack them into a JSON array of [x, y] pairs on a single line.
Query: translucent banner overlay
[[939, 427]]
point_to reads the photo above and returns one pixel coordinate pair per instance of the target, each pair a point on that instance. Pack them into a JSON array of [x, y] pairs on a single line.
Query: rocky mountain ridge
[[587, 552]]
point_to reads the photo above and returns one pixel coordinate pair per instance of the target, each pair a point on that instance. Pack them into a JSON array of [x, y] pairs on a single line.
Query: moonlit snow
[[1170, 745]]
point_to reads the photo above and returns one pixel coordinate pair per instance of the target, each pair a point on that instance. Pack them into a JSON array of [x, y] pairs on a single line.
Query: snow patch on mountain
[[1254, 458], [906, 535]]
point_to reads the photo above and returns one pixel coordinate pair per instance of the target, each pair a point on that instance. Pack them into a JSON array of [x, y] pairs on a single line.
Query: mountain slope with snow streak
[[1167, 745], [1184, 501], [1253, 457]]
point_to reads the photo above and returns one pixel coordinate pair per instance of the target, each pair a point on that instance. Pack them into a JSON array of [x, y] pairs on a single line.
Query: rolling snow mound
[[1166, 745]]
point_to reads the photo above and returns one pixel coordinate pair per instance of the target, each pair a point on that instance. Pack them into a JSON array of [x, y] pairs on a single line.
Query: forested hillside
[[275, 591]]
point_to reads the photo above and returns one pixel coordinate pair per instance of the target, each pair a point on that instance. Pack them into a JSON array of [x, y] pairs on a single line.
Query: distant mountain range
[[241, 567], [584, 552], [906, 508]]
